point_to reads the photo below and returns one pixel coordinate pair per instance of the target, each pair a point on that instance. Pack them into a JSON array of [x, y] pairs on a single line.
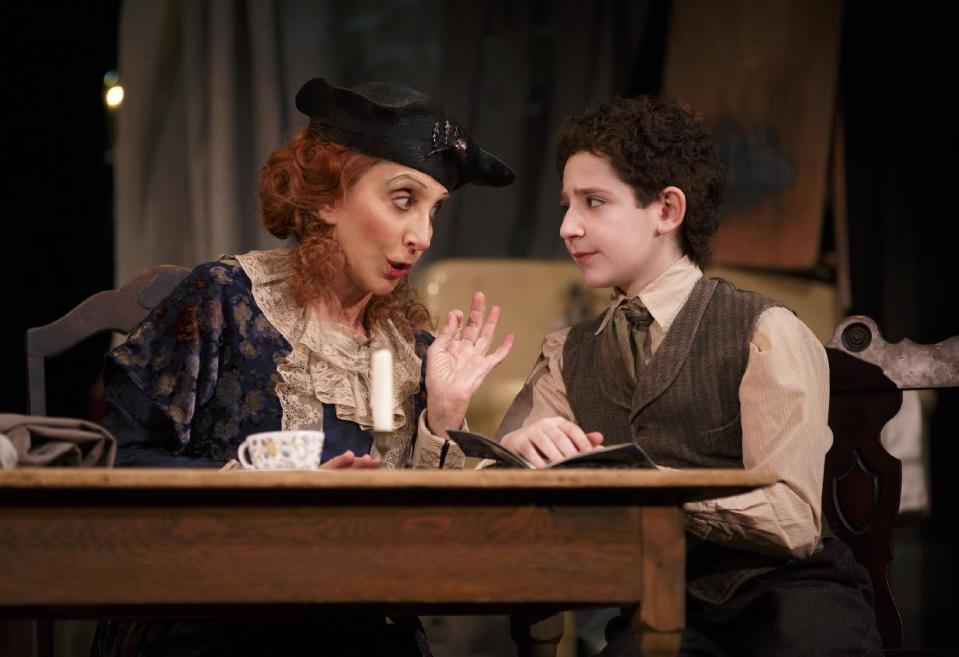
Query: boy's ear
[[673, 210]]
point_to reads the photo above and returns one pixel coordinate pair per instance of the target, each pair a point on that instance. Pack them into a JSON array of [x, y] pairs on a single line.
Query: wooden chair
[[862, 484], [113, 310]]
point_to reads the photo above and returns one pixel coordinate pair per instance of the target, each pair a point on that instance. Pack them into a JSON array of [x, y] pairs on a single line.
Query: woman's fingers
[[339, 461], [448, 333], [349, 460], [477, 371], [504, 347], [458, 314], [475, 321], [497, 356], [476, 334], [452, 323], [489, 328]]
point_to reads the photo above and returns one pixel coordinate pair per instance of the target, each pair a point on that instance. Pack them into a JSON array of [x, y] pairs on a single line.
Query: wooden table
[[195, 542]]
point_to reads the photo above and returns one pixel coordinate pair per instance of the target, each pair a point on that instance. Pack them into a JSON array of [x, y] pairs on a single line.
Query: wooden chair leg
[[536, 637]]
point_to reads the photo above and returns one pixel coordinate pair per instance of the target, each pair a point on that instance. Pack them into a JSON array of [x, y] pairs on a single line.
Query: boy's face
[[611, 238]]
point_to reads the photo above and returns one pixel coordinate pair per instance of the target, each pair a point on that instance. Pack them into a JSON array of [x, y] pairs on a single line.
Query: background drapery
[[535, 61], [209, 94]]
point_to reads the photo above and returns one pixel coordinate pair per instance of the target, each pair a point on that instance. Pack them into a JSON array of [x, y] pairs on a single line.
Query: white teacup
[[282, 450]]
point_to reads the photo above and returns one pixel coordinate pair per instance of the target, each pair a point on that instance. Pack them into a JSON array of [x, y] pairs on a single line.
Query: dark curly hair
[[652, 143], [296, 181]]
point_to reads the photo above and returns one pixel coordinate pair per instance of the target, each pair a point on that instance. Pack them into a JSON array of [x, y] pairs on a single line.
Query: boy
[[700, 374]]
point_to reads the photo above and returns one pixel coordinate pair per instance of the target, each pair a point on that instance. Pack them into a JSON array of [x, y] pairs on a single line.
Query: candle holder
[[382, 439]]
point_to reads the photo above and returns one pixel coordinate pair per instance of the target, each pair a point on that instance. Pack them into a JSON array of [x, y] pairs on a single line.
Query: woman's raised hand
[[457, 362]]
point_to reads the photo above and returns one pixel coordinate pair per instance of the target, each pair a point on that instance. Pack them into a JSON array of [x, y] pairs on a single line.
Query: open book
[[618, 456]]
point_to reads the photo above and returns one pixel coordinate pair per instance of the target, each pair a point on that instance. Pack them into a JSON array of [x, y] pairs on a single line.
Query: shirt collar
[[664, 296]]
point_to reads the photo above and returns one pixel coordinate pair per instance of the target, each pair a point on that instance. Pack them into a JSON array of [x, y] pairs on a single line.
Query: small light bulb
[[114, 96]]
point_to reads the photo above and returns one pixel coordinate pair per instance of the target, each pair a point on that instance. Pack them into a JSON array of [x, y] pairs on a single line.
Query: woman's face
[[383, 224]]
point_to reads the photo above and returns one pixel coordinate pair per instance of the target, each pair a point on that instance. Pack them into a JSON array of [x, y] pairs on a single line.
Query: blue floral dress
[[228, 354]]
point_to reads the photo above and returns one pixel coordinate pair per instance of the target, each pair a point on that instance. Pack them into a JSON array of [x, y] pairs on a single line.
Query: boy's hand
[[550, 439]]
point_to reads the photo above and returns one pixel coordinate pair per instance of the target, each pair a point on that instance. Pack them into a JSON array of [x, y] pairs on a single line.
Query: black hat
[[398, 123]]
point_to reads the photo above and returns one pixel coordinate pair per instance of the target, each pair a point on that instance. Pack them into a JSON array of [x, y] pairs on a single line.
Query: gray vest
[[684, 410]]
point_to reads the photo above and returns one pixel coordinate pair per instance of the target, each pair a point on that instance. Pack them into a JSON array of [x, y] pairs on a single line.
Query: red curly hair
[[298, 179]]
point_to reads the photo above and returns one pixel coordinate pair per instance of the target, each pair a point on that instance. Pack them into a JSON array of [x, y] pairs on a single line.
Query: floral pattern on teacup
[[282, 450]]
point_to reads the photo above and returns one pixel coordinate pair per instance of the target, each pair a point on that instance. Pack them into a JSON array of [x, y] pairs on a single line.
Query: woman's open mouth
[[397, 269]]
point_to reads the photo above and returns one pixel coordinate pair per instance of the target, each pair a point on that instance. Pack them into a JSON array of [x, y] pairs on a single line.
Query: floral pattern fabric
[[201, 373], [188, 385]]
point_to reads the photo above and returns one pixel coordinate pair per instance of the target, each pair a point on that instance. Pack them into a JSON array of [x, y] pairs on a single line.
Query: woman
[[282, 339]]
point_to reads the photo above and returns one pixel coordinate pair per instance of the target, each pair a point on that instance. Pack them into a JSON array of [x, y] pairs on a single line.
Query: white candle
[[381, 393]]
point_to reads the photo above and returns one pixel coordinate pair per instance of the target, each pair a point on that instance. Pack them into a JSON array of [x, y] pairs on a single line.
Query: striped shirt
[[784, 400]]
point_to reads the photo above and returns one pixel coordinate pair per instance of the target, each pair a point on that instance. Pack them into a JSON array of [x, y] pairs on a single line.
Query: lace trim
[[327, 364]]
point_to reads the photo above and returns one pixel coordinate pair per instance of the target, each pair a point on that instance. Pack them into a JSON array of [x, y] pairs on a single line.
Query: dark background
[[896, 85]]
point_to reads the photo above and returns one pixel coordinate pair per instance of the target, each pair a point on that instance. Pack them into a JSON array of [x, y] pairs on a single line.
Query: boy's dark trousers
[[817, 606]]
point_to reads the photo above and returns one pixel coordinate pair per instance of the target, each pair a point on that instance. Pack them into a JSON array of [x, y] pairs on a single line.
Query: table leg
[[536, 638], [658, 626]]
